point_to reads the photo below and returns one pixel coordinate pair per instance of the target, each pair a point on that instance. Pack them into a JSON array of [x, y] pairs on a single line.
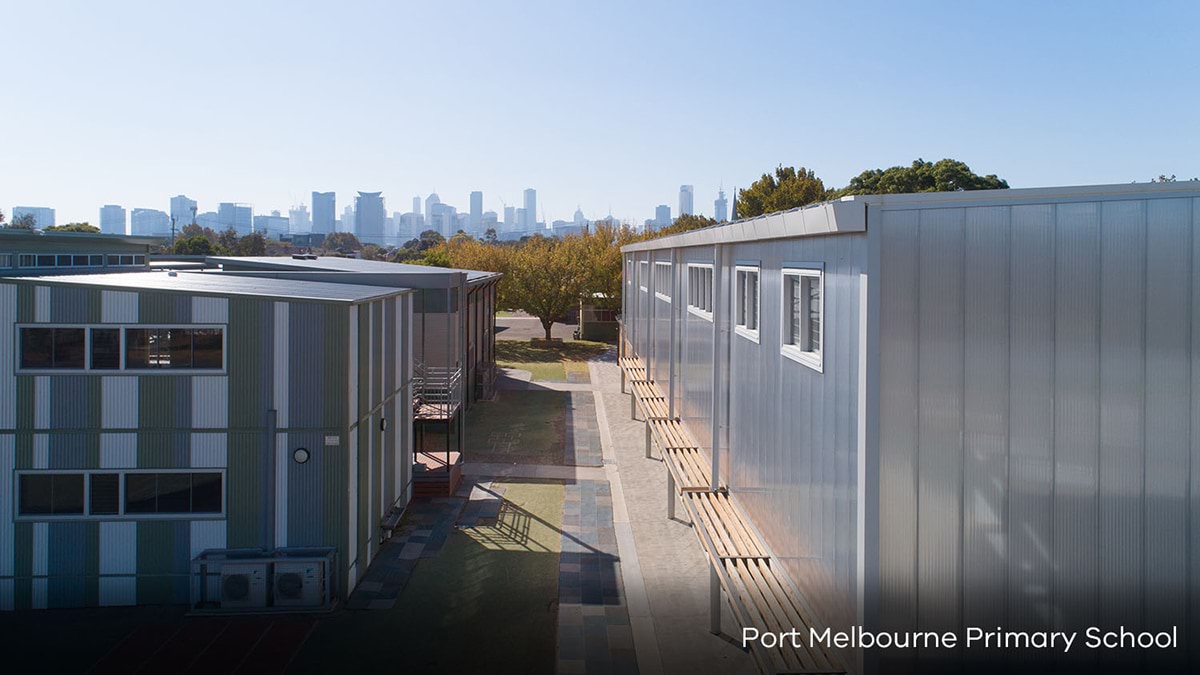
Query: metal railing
[[437, 386]]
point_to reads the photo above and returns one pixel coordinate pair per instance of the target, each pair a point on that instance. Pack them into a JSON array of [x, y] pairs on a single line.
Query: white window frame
[[814, 360], [659, 293], [123, 370], [121, 515], [741, 329], [643, 273], [700, 286]]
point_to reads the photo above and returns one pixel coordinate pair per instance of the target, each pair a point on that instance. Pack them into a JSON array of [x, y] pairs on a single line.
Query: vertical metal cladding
[[1036, 407]]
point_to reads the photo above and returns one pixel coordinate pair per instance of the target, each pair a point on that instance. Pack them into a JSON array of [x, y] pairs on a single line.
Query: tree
[[787, 189], [373, 252], [489, 235], [343, 242], [1, 217], [684, 223], [429, 239], [73, 227], [195, 245], [945, 175], [252, 244], [25, 221], [602, 261], [547, 277], [228, 240]]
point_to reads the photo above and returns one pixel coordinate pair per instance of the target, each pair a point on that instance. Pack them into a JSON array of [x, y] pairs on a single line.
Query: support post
[[622, 374], [670, 495], [718, 278], [676, 302], [714, 600], [633, 406], [647, 439]]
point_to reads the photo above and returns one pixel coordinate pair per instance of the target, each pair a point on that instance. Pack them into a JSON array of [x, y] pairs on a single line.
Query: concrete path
[[547, 471], [671, 565]]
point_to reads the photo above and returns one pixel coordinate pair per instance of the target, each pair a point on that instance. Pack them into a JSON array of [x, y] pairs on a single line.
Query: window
[[662, 281], [643, 275], [53, 494], [106, 348], [803, 315], [174, 348], [5, 260], [172, 493], [63, 260], [746, 303], [113, 495], [52, 348], [700, 290], [110, 348]]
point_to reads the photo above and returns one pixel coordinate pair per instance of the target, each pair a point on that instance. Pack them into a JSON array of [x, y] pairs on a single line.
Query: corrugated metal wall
[[1036, 407]]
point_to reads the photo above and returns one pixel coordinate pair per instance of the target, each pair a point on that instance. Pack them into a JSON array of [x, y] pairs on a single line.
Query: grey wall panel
[[939, 418], [1168, 289], [1031, 416], [985, 414], [1122, 404], [1076, 413], [898, 429], [307, 486]]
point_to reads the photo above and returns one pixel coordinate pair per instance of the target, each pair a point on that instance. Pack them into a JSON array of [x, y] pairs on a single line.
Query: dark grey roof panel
[[336, 264], [216, 283]]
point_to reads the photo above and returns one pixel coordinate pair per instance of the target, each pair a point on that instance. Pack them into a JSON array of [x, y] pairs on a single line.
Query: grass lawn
[[518, 426], [548, 363], [487, 603]]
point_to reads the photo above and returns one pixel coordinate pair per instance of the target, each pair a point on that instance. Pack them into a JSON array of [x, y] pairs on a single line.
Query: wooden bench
[[389, 522]]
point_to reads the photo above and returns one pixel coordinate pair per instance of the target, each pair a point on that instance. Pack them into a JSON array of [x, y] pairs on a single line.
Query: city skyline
[[620, 140]]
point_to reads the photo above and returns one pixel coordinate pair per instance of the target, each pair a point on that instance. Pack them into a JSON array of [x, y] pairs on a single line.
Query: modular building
[[147, 418], [947, 410], [454, 344], [38, 253]]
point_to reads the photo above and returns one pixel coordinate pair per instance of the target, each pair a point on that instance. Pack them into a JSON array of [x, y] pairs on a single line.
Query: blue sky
[[609, 105]]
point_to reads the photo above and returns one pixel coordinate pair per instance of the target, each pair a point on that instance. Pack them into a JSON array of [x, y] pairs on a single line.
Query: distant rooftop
[[216, 283], [97, 237], [336, 264]]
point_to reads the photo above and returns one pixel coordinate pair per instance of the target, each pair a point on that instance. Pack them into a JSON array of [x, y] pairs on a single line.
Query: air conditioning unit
[[243, 585], [299, 584]]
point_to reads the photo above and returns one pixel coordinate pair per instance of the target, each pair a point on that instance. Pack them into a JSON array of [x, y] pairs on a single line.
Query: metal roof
[[336, 264], [216, 283], [849, 214], [97, 237]]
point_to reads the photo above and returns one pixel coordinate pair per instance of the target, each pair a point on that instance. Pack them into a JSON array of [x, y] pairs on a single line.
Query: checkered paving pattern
[[422, 535], [594, 635], [582, 444]]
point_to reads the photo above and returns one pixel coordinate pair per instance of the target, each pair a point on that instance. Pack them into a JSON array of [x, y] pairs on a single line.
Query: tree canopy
[[194, 245], [944, 175], [73, 227], [786, 189], [25, 221]]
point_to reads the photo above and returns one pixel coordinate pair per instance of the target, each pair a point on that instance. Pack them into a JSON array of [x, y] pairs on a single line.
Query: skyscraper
[[238, 216], [112, 219], [429, 202], [530, 209], [324, 212], [662, 216], [476, 212], [369, 214], [719, 207], [183, 210], [347, 220], [150, 222], [273, 226], [510, 218], [685, 200], [298, 220], [417, 205], [43, 217]]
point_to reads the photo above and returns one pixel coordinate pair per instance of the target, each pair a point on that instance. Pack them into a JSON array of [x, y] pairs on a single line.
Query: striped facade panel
[[8, 356], [8, 460]]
